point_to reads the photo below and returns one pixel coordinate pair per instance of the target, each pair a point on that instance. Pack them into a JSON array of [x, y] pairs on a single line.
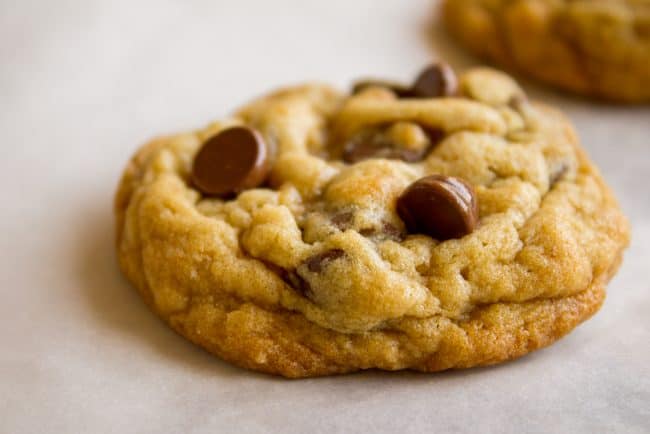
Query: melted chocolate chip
[[342, 220], [435, 135], [435, 81], [368, 232], [442, 207], [391, 231], [294, 280], [234, 160], [377, 144], [316, 263], [291, 278], [275, 268], [359, 150], [387, 230]]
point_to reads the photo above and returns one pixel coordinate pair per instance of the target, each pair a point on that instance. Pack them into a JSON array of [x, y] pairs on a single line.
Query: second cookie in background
[[594, 48]]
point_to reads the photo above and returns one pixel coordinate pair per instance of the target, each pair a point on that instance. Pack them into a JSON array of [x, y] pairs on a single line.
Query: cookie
[[598, 48], [445, 224]]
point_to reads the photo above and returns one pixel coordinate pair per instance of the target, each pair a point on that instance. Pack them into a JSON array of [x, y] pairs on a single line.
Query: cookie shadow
[[118, 308]]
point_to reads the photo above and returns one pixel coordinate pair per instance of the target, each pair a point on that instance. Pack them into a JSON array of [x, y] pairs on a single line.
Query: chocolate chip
[[391, 231], [435, 81], [379, 144], [294, 280], [435, 135], [231, 161], [275, 268], [367, 232], [316, 263], [360, 149], [443, 207], [387, 230], [398, 89], [291, 278], [342, 220]]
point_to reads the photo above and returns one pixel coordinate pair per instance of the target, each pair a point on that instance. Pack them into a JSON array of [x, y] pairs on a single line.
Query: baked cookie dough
[[447, 224], [599, 48]]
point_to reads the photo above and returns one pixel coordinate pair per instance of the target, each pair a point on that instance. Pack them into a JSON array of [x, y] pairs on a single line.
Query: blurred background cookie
[[598, 48]]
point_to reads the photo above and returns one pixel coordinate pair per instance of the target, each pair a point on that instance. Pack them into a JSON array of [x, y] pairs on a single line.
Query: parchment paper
[[83, 83]]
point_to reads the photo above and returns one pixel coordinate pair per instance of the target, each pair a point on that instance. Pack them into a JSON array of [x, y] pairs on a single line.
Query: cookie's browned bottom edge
[[544, 322]]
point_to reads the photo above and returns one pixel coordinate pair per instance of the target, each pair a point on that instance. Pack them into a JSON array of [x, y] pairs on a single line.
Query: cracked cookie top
[[321, 236]]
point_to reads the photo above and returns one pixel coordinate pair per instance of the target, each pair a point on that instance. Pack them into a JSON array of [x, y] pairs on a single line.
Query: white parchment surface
[[83, 83]]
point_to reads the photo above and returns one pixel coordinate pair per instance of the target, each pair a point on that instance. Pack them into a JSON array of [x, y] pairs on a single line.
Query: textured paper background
[[82, 83]]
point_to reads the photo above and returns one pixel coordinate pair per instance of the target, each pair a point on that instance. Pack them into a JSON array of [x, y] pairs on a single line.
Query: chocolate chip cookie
[[444, 224], [599, 48]]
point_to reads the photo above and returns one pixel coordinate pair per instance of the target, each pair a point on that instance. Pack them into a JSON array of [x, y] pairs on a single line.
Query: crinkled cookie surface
[[599, 48], [314, 273]]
